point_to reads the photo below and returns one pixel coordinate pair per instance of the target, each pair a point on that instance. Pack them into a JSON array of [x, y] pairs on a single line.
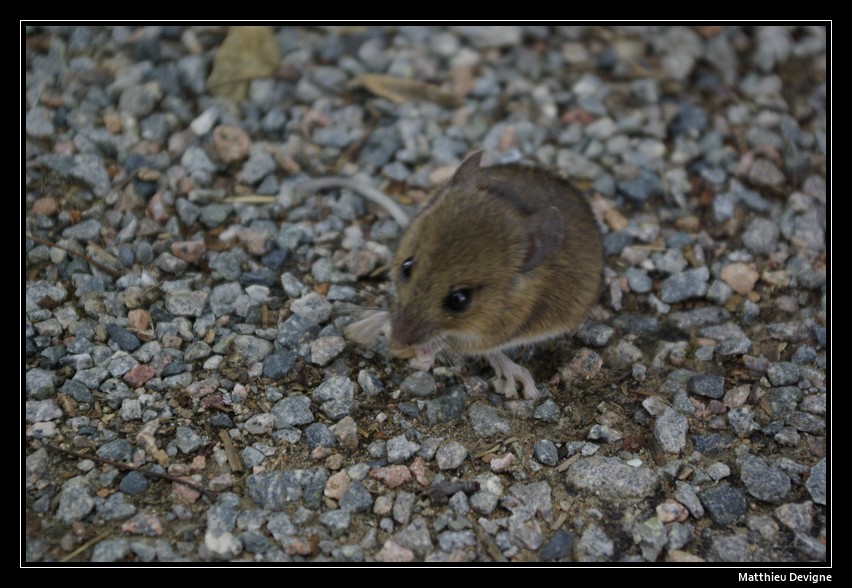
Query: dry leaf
[[401, 90], [246, 53]]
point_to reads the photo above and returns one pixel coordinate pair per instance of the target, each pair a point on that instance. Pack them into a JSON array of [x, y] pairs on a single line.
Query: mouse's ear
[[544, 232], [466, 173]]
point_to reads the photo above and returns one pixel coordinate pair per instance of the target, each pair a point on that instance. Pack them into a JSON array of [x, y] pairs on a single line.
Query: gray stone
[[274, 490], [816, 482], [42, 410], [292, 411], [356, 498], [325, 349], [595, 334], [187, 440], [446, 408], [125, 339], [638, 280], [685, 285], [604, 433], [312, 306], [611, 478], [450, 455], [116, 508], [651, 537], [252, 457], [110, 550], [485, 421], [40, 383], [87, 230], [186, 303], [686, 495], [548, 411], [783, 373], [670, 431], [292, 330], [336, 521], [420, 384], [75, 502], [616, 241], [133, 483], [766, 173], [761, 236], [796, 517], [806, 422], [116, 450], [319, 435], [559, 548], [763, 481], [642, 187], [400, 449], [731, 548], [545, 452], [278, 365], [252, 349], [594, 545], [706, 385], [725, 503], [810, 546]]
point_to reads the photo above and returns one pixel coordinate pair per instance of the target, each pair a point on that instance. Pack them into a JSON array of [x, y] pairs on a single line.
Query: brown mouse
[[501, 257]]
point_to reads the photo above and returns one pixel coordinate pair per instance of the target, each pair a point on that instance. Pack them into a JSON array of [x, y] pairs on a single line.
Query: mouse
[[499, 258]]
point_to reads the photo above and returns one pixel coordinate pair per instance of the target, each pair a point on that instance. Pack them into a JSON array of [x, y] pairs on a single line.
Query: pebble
[[278, 365], [762, 480], [400, 449], [706, 385], [420, 384], [725, 503], [110, 550], [594, 545], [670, 431], [611, 479], [685, 285], [133, 483], [816, 482], [546, 452], [486, 422], [740, 277], [450, 456]]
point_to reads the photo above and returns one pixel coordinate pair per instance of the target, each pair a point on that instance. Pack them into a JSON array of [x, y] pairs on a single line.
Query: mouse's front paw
[[512, 374]]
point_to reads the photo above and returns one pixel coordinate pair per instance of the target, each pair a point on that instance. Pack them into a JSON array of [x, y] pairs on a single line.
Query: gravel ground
[[200, 338]]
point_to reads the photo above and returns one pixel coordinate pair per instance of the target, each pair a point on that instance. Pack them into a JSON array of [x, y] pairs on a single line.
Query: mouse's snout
[[409, 330]]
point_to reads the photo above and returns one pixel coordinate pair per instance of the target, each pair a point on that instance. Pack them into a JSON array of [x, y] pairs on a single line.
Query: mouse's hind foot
[[512, 374]]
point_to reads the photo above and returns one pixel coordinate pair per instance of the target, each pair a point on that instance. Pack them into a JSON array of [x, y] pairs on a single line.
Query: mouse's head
[[465, 270]]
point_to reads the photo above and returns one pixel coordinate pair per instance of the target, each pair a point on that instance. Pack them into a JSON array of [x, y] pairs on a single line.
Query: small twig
[[90, 543], [231, 453], [82, 256], [495, 447], [567, 463], [123, 466], [490, 547], [369, 406]]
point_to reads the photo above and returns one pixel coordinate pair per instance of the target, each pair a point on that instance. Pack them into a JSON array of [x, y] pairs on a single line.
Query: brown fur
[[522, 240]]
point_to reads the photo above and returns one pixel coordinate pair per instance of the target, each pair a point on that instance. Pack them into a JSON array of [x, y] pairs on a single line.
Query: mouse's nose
[[409, 330]]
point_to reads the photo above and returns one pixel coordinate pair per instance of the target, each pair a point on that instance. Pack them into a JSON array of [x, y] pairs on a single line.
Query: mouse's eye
[[405, 268], [458, 300]]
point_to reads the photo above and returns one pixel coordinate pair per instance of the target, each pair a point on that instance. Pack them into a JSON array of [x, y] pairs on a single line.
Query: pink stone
[[231, 143], [740, 277], [138, 375], [502, 463], [392, 476], [143, 523], [191, 251], [392, 551], [337, 485], [418, 468], [671, 511], [735, 397]]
